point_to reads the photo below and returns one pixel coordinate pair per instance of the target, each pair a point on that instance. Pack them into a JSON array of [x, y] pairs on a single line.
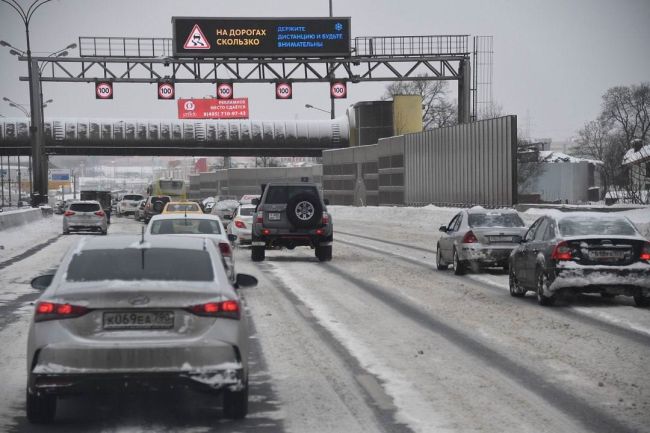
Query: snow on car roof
[[130, 241], [178, 216], [482, 210], [588, 215]]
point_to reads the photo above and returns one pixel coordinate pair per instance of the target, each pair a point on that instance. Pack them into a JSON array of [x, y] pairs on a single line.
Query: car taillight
[[225, 249], [240, 224], [320, 232], [100, 213], [260, 218], [562, 251], [645, 252], [52, 311], [469, 238], [325, 219], [227, 309], [68, 213], [266, 232]]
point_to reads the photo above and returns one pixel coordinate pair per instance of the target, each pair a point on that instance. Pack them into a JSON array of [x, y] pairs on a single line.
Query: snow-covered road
[[379, 340]]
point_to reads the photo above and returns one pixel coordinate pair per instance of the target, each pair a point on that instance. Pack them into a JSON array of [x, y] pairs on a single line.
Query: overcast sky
[[553, 58]]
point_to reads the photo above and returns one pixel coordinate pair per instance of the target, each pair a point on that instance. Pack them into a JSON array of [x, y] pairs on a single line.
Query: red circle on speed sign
[[283, 91], [166, 91], [338, 90], [224, 91], [104, 90]]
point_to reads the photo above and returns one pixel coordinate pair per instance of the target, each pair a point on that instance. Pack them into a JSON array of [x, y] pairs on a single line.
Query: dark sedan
[[582, 253]]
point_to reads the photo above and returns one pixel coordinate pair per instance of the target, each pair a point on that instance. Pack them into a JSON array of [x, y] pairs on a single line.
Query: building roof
[[556, 157], [637, 157]]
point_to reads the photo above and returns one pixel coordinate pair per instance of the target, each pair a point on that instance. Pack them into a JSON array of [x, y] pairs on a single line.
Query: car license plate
[[500, 238], [606, 254], [274, 216], [138, 320]]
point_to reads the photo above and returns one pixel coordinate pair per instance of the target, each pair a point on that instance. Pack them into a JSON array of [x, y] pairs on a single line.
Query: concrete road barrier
[[22, 216]]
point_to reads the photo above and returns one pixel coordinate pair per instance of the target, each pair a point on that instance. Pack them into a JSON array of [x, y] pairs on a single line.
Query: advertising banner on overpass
[[210, 108], [255, 37]]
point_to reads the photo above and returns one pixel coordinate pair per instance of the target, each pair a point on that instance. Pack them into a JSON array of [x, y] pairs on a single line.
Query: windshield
[[84, 207], [132, 197], [246, 211], [494, 219], [278, 194], [185, 226], [170, 184], [141, 264], [596, 225]]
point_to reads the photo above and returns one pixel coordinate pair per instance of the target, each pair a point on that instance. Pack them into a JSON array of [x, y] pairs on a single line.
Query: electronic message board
[[267, 37]]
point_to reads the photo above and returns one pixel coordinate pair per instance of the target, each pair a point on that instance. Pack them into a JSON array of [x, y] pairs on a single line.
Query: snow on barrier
[[19, 217]]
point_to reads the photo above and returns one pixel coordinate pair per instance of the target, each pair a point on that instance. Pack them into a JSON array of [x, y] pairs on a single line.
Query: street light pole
[[39, 159]]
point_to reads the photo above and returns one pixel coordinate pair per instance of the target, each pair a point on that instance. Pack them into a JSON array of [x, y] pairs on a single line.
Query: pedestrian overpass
[[148, 137]]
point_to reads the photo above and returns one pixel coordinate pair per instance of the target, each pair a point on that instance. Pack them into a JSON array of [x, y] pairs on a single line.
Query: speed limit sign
[[338, 90], [103, 90], [283, 91], [166, 90], [224, 91]]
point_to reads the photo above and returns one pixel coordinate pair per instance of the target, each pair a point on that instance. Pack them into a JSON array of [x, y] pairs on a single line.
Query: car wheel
[[235, 403], [542, 285], [459, 266], [324, 253], [66, 232], [257, 254], [642, 301], [104, 232], [515, 288], [440, 264], [40, 409]]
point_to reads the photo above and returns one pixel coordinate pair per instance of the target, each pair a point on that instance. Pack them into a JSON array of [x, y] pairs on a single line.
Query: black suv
[[290, 215], [155, 205]]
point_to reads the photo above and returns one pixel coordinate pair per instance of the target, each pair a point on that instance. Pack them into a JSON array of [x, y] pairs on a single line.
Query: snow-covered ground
[[16, 240], [378, 340]]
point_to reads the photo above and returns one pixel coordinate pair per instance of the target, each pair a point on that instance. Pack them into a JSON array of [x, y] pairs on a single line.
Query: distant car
[[128, 204], [138, 214], [241, 225], [224, 210], [86, 215], [123, 314], [155, 205], [195, 225], [182, 207], [292, 214], [59, 207], [207, 207], [248, 198], [477, 238], [582, 253]]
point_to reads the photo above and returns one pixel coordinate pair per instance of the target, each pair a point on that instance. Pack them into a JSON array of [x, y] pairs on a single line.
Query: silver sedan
[[478, 238], [126, 312]]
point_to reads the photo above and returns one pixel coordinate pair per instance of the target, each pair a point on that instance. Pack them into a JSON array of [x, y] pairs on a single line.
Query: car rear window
[[281, 194], [132, 197], [191, 207], [247, 211], [596, 225], [185, 226], [161, 199], [132, 264], [84, 207], [171, 184], [495, 219]]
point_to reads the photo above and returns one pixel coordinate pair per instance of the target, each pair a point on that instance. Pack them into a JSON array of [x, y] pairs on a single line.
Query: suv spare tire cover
[[304, 210], [158, 205]]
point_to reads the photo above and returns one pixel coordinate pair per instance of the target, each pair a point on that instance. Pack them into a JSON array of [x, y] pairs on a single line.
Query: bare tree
[[266, 161], [627, 109], [490, 111], [438, 111]]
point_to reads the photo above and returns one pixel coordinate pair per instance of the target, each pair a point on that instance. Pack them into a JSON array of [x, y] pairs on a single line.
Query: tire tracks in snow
[[30, 252], [637, 336], [573, 407]]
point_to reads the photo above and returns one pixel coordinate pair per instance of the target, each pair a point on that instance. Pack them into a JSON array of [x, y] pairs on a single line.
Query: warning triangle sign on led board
[[196, 40]]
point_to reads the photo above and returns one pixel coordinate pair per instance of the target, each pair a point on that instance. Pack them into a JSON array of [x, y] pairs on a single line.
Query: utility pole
[[332, 106]]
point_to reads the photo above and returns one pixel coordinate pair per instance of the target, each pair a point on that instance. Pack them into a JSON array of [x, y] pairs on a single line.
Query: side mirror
[[255, 201], [327, 202], [42, 282], [232, 238], [443, 229], [245, 280]]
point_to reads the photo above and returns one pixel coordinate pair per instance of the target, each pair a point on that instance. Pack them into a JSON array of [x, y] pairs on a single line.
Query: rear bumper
[[485, 254], [99, 225], [230, 377], [623, 280]]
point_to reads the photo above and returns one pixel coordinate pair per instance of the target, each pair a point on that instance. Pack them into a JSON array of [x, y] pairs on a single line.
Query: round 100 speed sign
[[338, 90], [224, 91], [166, 90], [103, 90], [283, 91]]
